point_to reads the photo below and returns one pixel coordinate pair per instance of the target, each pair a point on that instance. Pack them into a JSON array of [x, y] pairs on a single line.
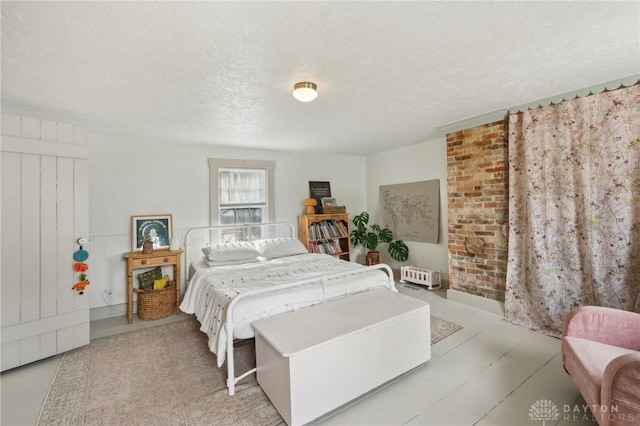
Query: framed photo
[[328, 202], [157, 226], [319, 190]]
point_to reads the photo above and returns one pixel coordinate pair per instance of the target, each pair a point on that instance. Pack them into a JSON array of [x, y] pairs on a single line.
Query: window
[[241, 191], [242, 195]]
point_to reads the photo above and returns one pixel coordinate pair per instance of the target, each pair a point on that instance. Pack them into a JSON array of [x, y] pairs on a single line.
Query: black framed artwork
[[319, 190], [158, 227]]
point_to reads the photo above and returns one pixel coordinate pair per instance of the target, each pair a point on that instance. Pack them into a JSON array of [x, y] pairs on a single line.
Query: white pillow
[[231, 251], [229, 262], [280, 247]]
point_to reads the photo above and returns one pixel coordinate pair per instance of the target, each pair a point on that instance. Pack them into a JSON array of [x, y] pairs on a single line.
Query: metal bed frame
[[246, 235]]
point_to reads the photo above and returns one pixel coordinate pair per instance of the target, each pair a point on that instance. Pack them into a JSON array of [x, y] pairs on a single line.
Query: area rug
[[441, 328], [162, 375]]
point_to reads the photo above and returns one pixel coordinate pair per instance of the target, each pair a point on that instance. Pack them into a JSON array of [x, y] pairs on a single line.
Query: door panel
[[45, 209]]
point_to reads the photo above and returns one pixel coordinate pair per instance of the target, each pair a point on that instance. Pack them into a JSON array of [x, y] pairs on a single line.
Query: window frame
[[215, 164]]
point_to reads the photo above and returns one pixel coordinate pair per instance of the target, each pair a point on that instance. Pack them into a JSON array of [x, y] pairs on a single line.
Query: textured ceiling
[[388, 73]]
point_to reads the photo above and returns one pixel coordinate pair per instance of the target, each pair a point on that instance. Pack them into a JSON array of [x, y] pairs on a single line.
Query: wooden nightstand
[[137, 259]]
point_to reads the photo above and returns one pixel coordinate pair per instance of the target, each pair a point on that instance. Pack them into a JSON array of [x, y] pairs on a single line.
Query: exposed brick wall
[[477, 188]]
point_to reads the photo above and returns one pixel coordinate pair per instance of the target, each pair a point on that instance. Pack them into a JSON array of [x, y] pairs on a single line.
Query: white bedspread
[[210, 291]]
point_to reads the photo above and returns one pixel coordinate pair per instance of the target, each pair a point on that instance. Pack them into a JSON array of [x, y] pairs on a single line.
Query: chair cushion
[[607, 325], [585, 360]]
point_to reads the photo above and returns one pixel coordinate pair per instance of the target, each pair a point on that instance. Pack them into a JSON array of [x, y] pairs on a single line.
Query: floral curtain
[[574, 208]]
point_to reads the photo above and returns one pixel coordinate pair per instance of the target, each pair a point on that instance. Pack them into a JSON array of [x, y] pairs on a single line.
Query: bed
[[239, 274]]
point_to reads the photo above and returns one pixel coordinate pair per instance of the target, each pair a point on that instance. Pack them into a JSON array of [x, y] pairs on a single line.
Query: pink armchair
[[601, 353]]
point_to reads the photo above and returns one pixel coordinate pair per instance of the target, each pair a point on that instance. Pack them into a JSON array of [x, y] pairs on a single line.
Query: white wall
[[133, 176], [424, 161], [130, 176]]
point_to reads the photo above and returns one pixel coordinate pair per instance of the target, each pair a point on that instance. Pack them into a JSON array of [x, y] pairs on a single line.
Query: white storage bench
[[316, 359]]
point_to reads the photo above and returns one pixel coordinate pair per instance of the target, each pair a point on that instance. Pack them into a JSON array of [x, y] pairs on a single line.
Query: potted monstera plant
[[369, 236]]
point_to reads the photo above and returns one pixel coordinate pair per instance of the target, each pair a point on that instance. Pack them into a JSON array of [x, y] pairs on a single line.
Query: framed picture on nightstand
[[158, 227]]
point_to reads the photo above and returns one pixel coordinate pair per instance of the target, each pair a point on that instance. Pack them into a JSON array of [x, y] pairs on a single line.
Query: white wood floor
[[488, 373]]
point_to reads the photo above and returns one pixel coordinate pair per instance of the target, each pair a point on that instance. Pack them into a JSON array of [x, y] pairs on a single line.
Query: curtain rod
[[500, 114], [592, 90]]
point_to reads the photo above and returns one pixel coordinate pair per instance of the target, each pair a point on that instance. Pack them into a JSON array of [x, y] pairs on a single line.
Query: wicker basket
[[156, 304]]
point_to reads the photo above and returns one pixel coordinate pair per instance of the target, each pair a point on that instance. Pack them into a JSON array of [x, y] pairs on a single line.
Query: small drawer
[[155, 261]]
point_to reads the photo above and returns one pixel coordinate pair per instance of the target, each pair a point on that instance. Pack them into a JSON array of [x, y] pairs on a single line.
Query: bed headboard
[[197, 238]]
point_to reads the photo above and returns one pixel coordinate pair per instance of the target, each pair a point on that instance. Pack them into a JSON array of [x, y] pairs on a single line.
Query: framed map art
[[412, 210]]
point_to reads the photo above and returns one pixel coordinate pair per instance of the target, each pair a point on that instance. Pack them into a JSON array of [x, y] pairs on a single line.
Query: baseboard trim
[[110, 311], [490, 305]]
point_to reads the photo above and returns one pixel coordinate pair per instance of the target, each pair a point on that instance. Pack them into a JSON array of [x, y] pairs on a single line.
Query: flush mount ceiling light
[[305, 91]]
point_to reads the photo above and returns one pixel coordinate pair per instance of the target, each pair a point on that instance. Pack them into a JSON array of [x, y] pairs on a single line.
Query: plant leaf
[[356, 237], [361, 220], [385, 235], [399, 251], [370, 241]]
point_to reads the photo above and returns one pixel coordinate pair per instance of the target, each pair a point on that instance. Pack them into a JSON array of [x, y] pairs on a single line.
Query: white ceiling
[[222, 73]]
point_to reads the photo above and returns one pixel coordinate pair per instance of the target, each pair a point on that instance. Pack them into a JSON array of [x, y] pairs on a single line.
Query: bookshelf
[[326, 233]]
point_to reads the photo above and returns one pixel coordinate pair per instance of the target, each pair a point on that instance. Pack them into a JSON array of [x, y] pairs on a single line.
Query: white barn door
[[45, 209]]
